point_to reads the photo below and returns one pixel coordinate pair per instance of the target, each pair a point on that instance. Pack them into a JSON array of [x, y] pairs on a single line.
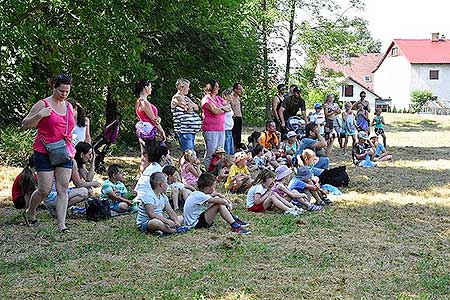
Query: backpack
[[97, 209], [335, 176]]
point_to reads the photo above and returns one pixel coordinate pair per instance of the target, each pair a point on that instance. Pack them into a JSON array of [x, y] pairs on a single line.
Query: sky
[[410, 19]]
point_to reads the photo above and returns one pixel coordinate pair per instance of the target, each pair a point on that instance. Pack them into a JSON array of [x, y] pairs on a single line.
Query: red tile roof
[[422, 51], [357, 67]]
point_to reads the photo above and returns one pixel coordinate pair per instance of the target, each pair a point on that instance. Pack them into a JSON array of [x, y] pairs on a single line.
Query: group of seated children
[[367, 151]]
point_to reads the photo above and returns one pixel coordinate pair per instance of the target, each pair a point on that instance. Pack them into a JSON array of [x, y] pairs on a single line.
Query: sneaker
[[326, 201], [241, 222], [299, 210], [296, 203], [315, 208], [76, 210], [291, 212], [159, 233], [240, 230], [182, 229]]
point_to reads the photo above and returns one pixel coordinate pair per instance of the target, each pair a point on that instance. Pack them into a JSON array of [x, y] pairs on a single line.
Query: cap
[[240, 156], [363, 135], [220, 150], [317, 105], [291, 134], [282, 171]]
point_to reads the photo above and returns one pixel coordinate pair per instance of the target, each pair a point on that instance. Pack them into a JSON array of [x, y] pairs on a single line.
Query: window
[[394, 51], [348, 91], [367, 78], [434, 74]]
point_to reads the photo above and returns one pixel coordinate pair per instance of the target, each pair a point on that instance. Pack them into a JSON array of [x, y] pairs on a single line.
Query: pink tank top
[[142, 116], [53, 128], [212, 122], [186, 176]]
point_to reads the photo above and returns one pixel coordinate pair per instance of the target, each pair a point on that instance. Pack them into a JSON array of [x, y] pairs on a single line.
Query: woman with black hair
[[147, 113], [81, 131], [81, 177], [53, 118], [24, 185]]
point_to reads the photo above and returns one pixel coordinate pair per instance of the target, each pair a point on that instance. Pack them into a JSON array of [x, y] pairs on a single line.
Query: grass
[[387, 237]]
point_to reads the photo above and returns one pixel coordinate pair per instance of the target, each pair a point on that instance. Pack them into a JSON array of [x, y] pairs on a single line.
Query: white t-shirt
[[150, 198], [256, 189], [194, 206], [229, 123], [143, 185], [78, 134], [319, 119]]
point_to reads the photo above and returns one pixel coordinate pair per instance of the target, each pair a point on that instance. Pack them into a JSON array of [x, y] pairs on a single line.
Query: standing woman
[[146, 112], [53, 117], [186, 121], [332, 112], [81, 131], [214, 108], [276, 104]]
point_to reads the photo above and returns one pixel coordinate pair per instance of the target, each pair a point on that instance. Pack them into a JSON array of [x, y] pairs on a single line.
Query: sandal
[[29, 223]]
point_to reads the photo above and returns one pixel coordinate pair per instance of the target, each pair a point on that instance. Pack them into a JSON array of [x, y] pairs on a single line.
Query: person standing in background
[[237, 112]]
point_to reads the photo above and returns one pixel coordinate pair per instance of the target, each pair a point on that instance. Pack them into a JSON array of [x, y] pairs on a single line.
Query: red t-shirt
[[213, 163], [16, 189]]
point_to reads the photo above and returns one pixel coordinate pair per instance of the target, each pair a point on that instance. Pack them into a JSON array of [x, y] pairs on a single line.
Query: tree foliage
[[419, 98]]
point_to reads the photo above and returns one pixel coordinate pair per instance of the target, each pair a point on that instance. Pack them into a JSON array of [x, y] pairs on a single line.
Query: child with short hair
[[151, 209], [177, 192], [238, 180], [309, 159], [202, 206], [260, 198], [380, 152], [190, 167], [115, 191], [363, 154], [282, 174], [216, 162], [318, 117], [378, 123], [349, 126]]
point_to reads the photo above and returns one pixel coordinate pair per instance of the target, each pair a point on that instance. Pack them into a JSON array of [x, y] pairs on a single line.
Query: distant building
[[414, 64], [353, 77]]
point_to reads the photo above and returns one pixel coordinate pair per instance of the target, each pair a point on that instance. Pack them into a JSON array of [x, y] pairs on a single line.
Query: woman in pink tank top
[[146, 112], [214, 108], [53, 118]]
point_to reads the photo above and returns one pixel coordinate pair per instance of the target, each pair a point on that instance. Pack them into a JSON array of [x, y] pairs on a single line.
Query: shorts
[[115, 206], [201, 223], [42, 163], [379, 131], [257, 207], [349, 132], [50, 201], [143, 226], [20, 202]]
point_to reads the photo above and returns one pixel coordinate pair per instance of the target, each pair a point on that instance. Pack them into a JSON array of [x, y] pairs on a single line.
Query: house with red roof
[[414, 64], [353, 77]]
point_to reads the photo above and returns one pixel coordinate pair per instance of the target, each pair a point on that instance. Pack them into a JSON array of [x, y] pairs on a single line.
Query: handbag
[[145, 130], [57, 151]]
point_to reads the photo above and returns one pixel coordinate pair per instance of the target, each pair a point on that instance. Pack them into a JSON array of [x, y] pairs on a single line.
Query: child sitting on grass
[[282, 174], [260, 198], [115, 191], [363, 154], [177, 192], [239, 180], [309, 159], [202, 206], [216, 163], [150, 218], [190, 167], [380, 152]]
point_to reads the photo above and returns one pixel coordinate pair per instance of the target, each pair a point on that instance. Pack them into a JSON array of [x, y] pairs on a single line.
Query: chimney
[[442, 38], [435, 37]]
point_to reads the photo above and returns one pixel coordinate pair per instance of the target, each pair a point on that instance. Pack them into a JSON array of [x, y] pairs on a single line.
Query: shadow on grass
[[411, 153], [410, 126]]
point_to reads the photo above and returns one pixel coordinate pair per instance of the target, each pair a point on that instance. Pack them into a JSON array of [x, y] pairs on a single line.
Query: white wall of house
[[393, 79], [420, 79], [356, 90]]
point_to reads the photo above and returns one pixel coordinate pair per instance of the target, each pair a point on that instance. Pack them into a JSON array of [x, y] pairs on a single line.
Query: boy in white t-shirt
[[318, 117], [202, 206], [152, 205]]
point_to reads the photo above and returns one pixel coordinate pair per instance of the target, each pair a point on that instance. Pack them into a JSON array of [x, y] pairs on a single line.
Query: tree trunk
[[289, 45], [266, 60]]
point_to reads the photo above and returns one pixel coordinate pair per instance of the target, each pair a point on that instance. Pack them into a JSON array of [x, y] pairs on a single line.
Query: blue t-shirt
[[296, 184], [379, 149]]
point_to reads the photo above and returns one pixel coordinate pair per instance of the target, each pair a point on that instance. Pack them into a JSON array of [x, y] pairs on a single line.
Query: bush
[[418, 99], [15, 145], [316, 95]]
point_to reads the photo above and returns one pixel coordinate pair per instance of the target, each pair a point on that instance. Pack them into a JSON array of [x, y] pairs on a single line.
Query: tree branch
[[29, 13]]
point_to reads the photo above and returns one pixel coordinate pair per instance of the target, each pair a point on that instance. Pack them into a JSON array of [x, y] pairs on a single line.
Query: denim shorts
[[187, 141], [143, 226], [42, 163]]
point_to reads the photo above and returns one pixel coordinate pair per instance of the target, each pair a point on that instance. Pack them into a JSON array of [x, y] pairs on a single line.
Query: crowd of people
[[279, 169]]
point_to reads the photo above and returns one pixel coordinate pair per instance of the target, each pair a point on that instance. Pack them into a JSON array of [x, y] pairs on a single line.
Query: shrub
[[418, 99], [15, 145]]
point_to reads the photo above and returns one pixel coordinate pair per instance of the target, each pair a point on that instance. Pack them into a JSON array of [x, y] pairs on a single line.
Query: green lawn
[[387, 237]]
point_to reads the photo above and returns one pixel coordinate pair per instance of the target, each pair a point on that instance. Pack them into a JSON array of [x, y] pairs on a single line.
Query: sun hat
[[220, 150], [317, 105], [363, 135], [303, 173], [291, 134], [240, 156], [282, 171]]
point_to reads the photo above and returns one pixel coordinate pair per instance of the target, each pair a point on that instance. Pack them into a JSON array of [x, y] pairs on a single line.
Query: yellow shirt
[[234, 170]]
